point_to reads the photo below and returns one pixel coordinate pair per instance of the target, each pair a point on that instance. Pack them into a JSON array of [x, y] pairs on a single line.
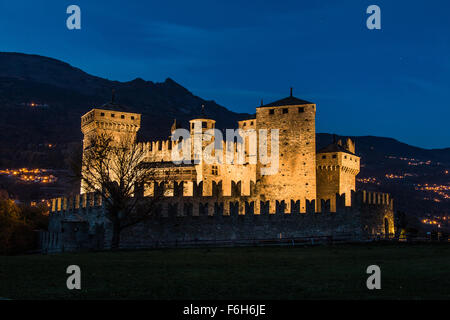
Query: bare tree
[[115, 169]]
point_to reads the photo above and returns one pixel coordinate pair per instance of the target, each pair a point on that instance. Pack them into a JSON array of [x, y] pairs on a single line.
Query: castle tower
[[295, 178], [118, 124], [337, 167], [201, 137]]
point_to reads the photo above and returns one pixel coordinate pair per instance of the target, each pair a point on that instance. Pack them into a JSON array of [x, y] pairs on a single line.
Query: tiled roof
[[334, 147], [289, 101], [114, 107]]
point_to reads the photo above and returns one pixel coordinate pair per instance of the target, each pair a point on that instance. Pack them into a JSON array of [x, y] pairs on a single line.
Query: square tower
[[119, 125], [337, 167], [295, 178]]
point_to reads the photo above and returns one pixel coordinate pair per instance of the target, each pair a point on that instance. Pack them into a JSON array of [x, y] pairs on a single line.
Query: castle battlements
[[161, 150], [181, 205]]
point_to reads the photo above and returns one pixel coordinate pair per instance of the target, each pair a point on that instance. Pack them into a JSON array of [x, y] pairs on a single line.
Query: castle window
[[245, 123], [334, 156], [345, 157], [251, 123], [122, 117], [192, 126], [112, 115], [272, 111], [285, 110], [102, 114], [301, 109], [132, 117], [204, 124], [324, 157]]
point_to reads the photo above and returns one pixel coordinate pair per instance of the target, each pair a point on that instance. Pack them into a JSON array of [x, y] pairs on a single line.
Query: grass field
[[321, 272]]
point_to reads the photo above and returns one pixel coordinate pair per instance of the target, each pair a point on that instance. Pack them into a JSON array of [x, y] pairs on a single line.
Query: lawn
[[320, 272]]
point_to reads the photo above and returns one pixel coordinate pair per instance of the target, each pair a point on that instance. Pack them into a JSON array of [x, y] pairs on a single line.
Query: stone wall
[[184, 219]]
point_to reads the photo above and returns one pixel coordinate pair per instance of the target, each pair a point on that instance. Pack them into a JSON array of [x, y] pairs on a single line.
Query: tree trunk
[[115, 242]]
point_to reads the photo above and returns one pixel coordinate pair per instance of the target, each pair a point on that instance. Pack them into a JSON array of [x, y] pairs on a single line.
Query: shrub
[[18, 225]]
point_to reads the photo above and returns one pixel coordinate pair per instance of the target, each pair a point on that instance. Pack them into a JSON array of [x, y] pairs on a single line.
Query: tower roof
[[334, 147], [114, 106], [202, 114], [289, 101]]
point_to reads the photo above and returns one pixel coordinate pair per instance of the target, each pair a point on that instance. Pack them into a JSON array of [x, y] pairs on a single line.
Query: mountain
[[42, 100], [374, 150]]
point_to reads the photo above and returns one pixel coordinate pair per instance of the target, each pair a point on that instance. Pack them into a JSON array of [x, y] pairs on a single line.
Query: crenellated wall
[[160, 150], [79, 222], [217, 190]]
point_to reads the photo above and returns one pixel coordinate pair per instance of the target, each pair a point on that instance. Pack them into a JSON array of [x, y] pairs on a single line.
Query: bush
[[9, 221], [18, 225]]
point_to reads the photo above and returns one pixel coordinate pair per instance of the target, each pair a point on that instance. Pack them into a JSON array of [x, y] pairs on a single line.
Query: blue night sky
[[391, 82]]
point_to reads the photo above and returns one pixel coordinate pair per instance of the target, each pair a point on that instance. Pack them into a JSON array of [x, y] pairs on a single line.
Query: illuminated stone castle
[[301, 173], [310, 193]]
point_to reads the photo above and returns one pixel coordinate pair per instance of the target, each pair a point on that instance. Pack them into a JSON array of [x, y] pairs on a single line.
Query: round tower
[[201, 137], [200, 134]]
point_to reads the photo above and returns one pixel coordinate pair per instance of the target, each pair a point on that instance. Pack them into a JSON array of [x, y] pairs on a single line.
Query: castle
[[291, 191]]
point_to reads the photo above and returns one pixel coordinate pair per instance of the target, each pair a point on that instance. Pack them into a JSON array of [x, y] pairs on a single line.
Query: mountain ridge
[[66, 89]]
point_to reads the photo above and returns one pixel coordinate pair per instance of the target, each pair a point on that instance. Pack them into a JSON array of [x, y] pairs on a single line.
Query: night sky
[[392, 82]]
